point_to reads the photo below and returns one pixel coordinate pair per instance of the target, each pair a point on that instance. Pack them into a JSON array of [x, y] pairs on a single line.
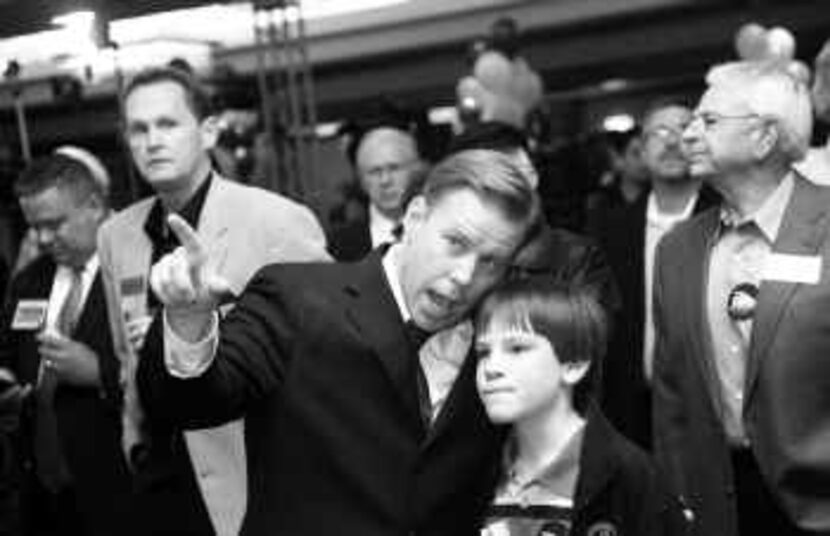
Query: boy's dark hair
[[569, 317]]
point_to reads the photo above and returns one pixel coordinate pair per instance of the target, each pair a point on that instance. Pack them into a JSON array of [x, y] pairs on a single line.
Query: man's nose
[[692, 130], [44, 237], [153, 137], [464, 268]]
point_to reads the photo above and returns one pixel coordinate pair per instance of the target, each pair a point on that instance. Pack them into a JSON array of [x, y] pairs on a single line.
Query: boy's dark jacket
[[619, 491]]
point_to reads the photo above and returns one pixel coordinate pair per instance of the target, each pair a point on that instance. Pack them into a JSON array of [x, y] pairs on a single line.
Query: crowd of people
[[210, 361]]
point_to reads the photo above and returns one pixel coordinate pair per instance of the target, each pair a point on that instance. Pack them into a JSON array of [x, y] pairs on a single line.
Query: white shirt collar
[[660, 219], [381, 227], [391, 268]]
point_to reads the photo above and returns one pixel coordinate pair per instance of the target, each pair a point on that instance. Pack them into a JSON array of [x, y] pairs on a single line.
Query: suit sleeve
[[9, 339], [255, 345], [668, 407]]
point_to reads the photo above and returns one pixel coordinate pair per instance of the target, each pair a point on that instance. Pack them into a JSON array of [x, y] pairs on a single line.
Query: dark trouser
[[47, 513], [758, 512], [168, 499]]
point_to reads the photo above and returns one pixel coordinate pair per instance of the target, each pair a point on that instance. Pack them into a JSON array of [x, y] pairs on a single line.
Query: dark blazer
[[626, 396], [350, 241], [619, 485], [88, 418], [316, 358], [787, 390]]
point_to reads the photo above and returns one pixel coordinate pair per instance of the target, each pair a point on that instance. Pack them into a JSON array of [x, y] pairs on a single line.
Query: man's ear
[[416, 213], [210, 131], [767, 139], [574, 371]]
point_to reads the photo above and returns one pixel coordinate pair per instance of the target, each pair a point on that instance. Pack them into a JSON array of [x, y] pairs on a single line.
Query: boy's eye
[[516, 347], [482, 352]]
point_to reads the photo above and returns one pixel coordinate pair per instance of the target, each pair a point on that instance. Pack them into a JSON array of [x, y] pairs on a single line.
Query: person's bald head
[[389, 167]]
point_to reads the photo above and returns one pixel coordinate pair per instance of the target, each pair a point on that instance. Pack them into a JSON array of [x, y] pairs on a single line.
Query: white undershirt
[[657, 225]]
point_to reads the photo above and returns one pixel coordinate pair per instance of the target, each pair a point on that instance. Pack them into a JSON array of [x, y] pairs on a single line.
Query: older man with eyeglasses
[[741, 379]]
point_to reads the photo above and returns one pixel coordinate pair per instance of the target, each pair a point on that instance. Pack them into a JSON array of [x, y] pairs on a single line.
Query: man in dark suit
[[630, 237], [741, 379], [321, 359], [54, 337]]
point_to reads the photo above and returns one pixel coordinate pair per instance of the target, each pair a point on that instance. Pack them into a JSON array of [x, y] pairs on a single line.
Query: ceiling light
[[622, 122]]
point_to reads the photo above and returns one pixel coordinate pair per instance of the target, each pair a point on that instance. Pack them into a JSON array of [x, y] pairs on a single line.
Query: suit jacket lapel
[[374, 312], [636, 236], [213, 224], [695, 289], [803, 229]]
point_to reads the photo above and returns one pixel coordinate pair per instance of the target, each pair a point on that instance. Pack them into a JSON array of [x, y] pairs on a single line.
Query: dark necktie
[[68, 316], [51, 467], [417, 338]]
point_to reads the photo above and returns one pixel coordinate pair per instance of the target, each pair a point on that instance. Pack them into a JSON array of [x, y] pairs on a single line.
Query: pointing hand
[[183, 279]]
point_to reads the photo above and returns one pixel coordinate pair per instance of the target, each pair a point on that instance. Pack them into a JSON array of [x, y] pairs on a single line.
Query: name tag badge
[[793, 268], [30, 315], [133, 297], [131, 286]]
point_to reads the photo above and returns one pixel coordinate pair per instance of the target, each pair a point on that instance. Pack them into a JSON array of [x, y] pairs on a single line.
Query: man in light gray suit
[[193, 483]]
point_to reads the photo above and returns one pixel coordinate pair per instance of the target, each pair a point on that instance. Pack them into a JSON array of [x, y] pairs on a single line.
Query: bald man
[[389, 168]]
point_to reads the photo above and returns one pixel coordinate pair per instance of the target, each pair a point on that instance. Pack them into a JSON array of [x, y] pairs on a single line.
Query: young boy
[[566, 470]]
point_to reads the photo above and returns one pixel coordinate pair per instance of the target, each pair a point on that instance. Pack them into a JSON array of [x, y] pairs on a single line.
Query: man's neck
[[175, 199], [746, 192], [395, 216], [672, 197]]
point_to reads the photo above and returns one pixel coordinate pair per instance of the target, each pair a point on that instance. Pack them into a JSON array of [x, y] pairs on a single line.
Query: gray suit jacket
[[244, 229], [787, 392]]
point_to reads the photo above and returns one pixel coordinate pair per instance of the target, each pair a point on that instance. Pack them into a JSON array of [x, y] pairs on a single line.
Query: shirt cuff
[[185, 359]]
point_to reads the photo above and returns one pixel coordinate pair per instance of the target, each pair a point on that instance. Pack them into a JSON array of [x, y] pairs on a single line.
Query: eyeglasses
[[711, 119]]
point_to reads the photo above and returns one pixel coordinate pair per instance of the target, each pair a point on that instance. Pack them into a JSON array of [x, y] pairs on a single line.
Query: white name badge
[[792, 268], [30, 315]]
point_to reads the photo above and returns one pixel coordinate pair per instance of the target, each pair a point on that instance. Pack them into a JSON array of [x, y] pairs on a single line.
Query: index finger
[[187, 236], [51, 338]]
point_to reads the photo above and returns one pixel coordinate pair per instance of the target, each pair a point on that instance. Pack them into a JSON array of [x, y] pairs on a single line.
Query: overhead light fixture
[[621, 122], [613, 84], [75, 19]]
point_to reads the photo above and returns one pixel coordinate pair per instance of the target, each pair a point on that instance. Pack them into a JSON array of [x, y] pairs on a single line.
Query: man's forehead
[[723, 98], [670, 115], [386, 137], [478, 214], [155, 98]]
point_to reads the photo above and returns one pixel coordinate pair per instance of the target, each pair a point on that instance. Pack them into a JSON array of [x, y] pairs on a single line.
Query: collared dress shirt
[[542, 503], [381, 228], [737, 256]]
